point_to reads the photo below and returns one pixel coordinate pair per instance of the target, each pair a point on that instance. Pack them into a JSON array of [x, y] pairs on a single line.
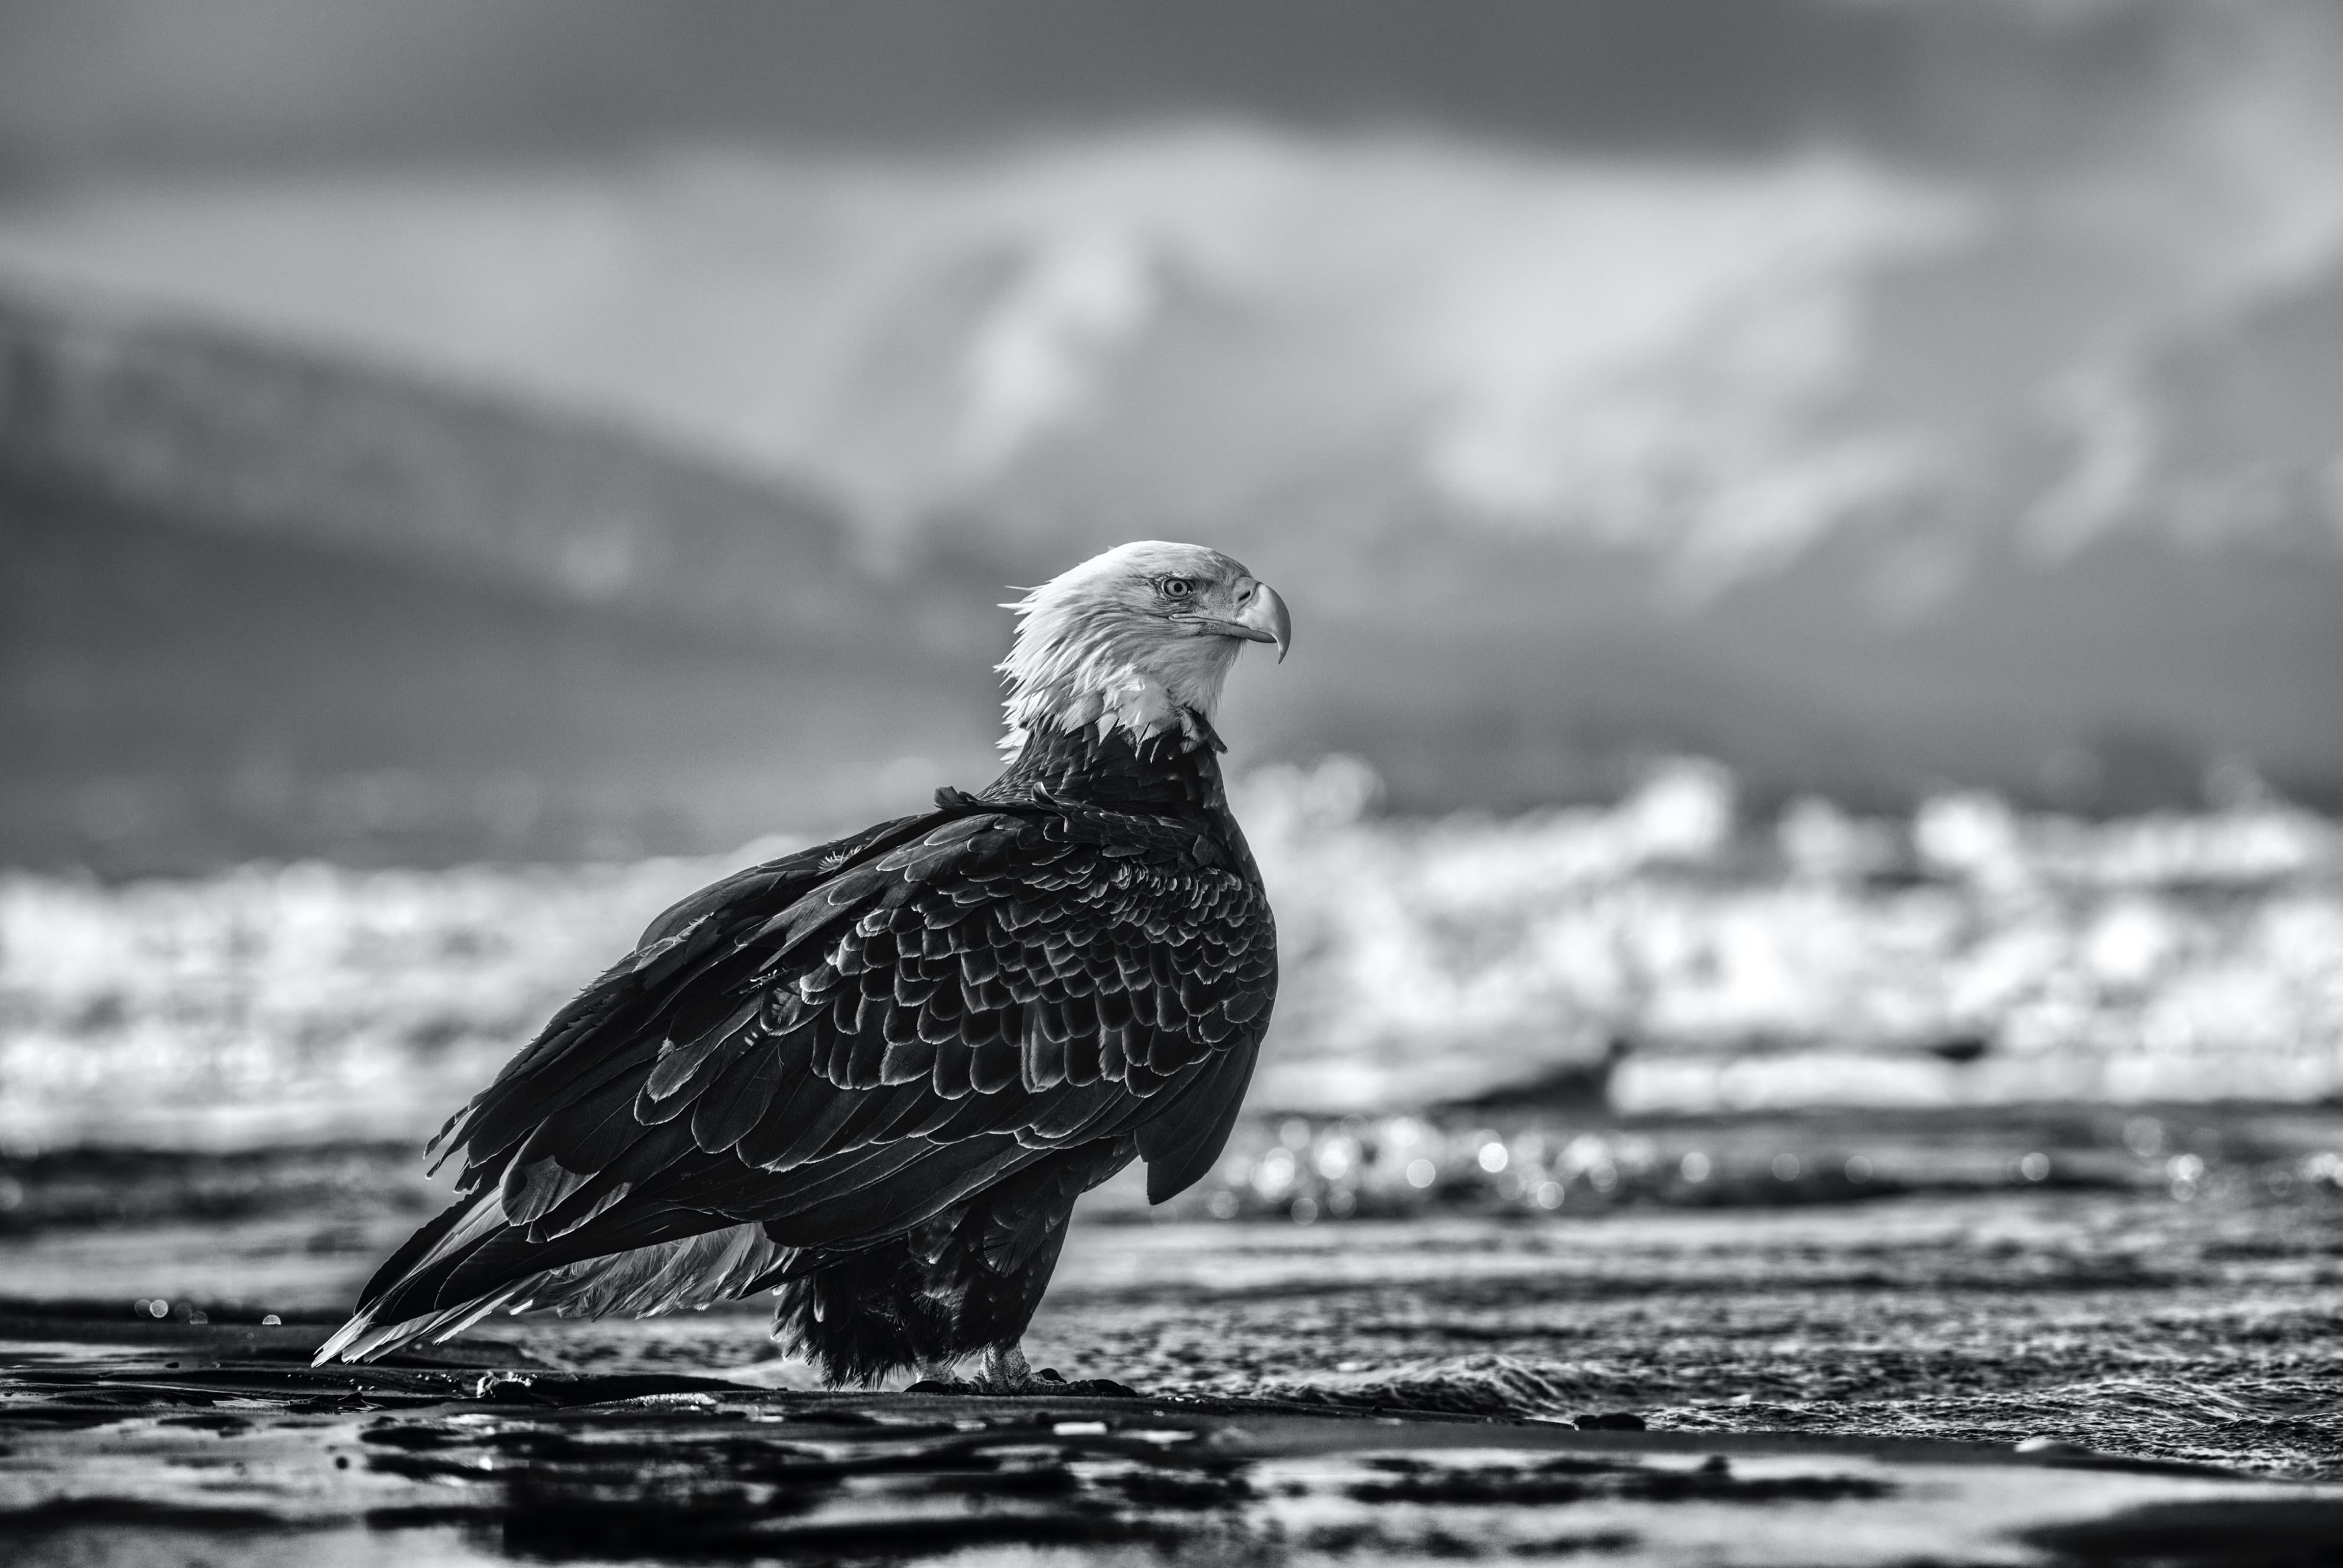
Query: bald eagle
[[874, 1076]]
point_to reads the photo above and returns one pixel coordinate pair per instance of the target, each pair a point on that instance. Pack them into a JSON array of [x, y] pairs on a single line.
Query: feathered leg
[[1006, 1371]]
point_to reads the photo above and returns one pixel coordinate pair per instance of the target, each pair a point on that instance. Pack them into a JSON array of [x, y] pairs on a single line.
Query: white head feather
[[1138, 638]]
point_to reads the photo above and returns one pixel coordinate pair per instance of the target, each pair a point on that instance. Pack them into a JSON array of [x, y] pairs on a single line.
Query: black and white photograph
[[1170, 783]]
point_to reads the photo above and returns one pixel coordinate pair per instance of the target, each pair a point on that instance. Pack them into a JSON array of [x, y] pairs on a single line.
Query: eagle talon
[[941, 1385]]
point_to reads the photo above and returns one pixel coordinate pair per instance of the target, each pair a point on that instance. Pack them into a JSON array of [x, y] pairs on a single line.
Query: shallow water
[[1995, 1374], [2004, 1276], [229, 1450]]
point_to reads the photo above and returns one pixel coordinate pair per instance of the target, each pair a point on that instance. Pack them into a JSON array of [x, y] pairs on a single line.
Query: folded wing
[[837, 1046]]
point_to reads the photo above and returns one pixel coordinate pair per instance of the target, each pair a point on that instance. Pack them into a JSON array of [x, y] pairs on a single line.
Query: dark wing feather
[[841, 1045], [1181, 1146], [668, 968]]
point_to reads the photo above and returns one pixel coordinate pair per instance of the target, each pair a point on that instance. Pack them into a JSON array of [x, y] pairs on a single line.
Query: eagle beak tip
[[1267, 615]]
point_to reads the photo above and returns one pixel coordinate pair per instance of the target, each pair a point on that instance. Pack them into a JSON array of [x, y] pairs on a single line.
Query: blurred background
[[1816, 527]]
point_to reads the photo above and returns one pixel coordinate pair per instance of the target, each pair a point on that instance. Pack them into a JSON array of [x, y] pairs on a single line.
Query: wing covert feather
[[992, 980]]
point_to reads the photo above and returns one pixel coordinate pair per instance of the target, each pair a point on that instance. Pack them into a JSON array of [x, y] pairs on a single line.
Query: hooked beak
[[1264, 620], [1261, 619]]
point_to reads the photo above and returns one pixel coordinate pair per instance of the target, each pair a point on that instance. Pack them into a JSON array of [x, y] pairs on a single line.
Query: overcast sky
[[1714, 276], [297, 79]]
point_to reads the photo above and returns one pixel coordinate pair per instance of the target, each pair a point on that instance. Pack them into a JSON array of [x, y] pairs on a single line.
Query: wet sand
[[217, 1444], [2108, 1366]]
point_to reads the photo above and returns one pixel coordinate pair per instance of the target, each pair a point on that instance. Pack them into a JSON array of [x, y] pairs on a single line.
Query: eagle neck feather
[[1166, 773], [1077, 666]]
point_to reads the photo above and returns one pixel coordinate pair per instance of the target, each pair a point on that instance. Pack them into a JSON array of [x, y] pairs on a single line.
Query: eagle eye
[[1177, 587]]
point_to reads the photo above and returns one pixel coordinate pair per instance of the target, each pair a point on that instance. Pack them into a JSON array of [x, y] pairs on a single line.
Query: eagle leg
[[1005, 1371]]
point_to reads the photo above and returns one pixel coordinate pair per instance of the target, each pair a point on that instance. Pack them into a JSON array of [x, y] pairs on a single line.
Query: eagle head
[[1138, 638]]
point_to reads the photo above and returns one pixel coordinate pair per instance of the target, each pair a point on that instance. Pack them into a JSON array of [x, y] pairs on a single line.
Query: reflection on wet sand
[[124, 1455], [1731, 1370]]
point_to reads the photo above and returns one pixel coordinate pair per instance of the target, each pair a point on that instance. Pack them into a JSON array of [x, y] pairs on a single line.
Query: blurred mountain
[[2230, 431], [2120, 677], [227, 432], [260, 601], [702, 474], [1864, 503]]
